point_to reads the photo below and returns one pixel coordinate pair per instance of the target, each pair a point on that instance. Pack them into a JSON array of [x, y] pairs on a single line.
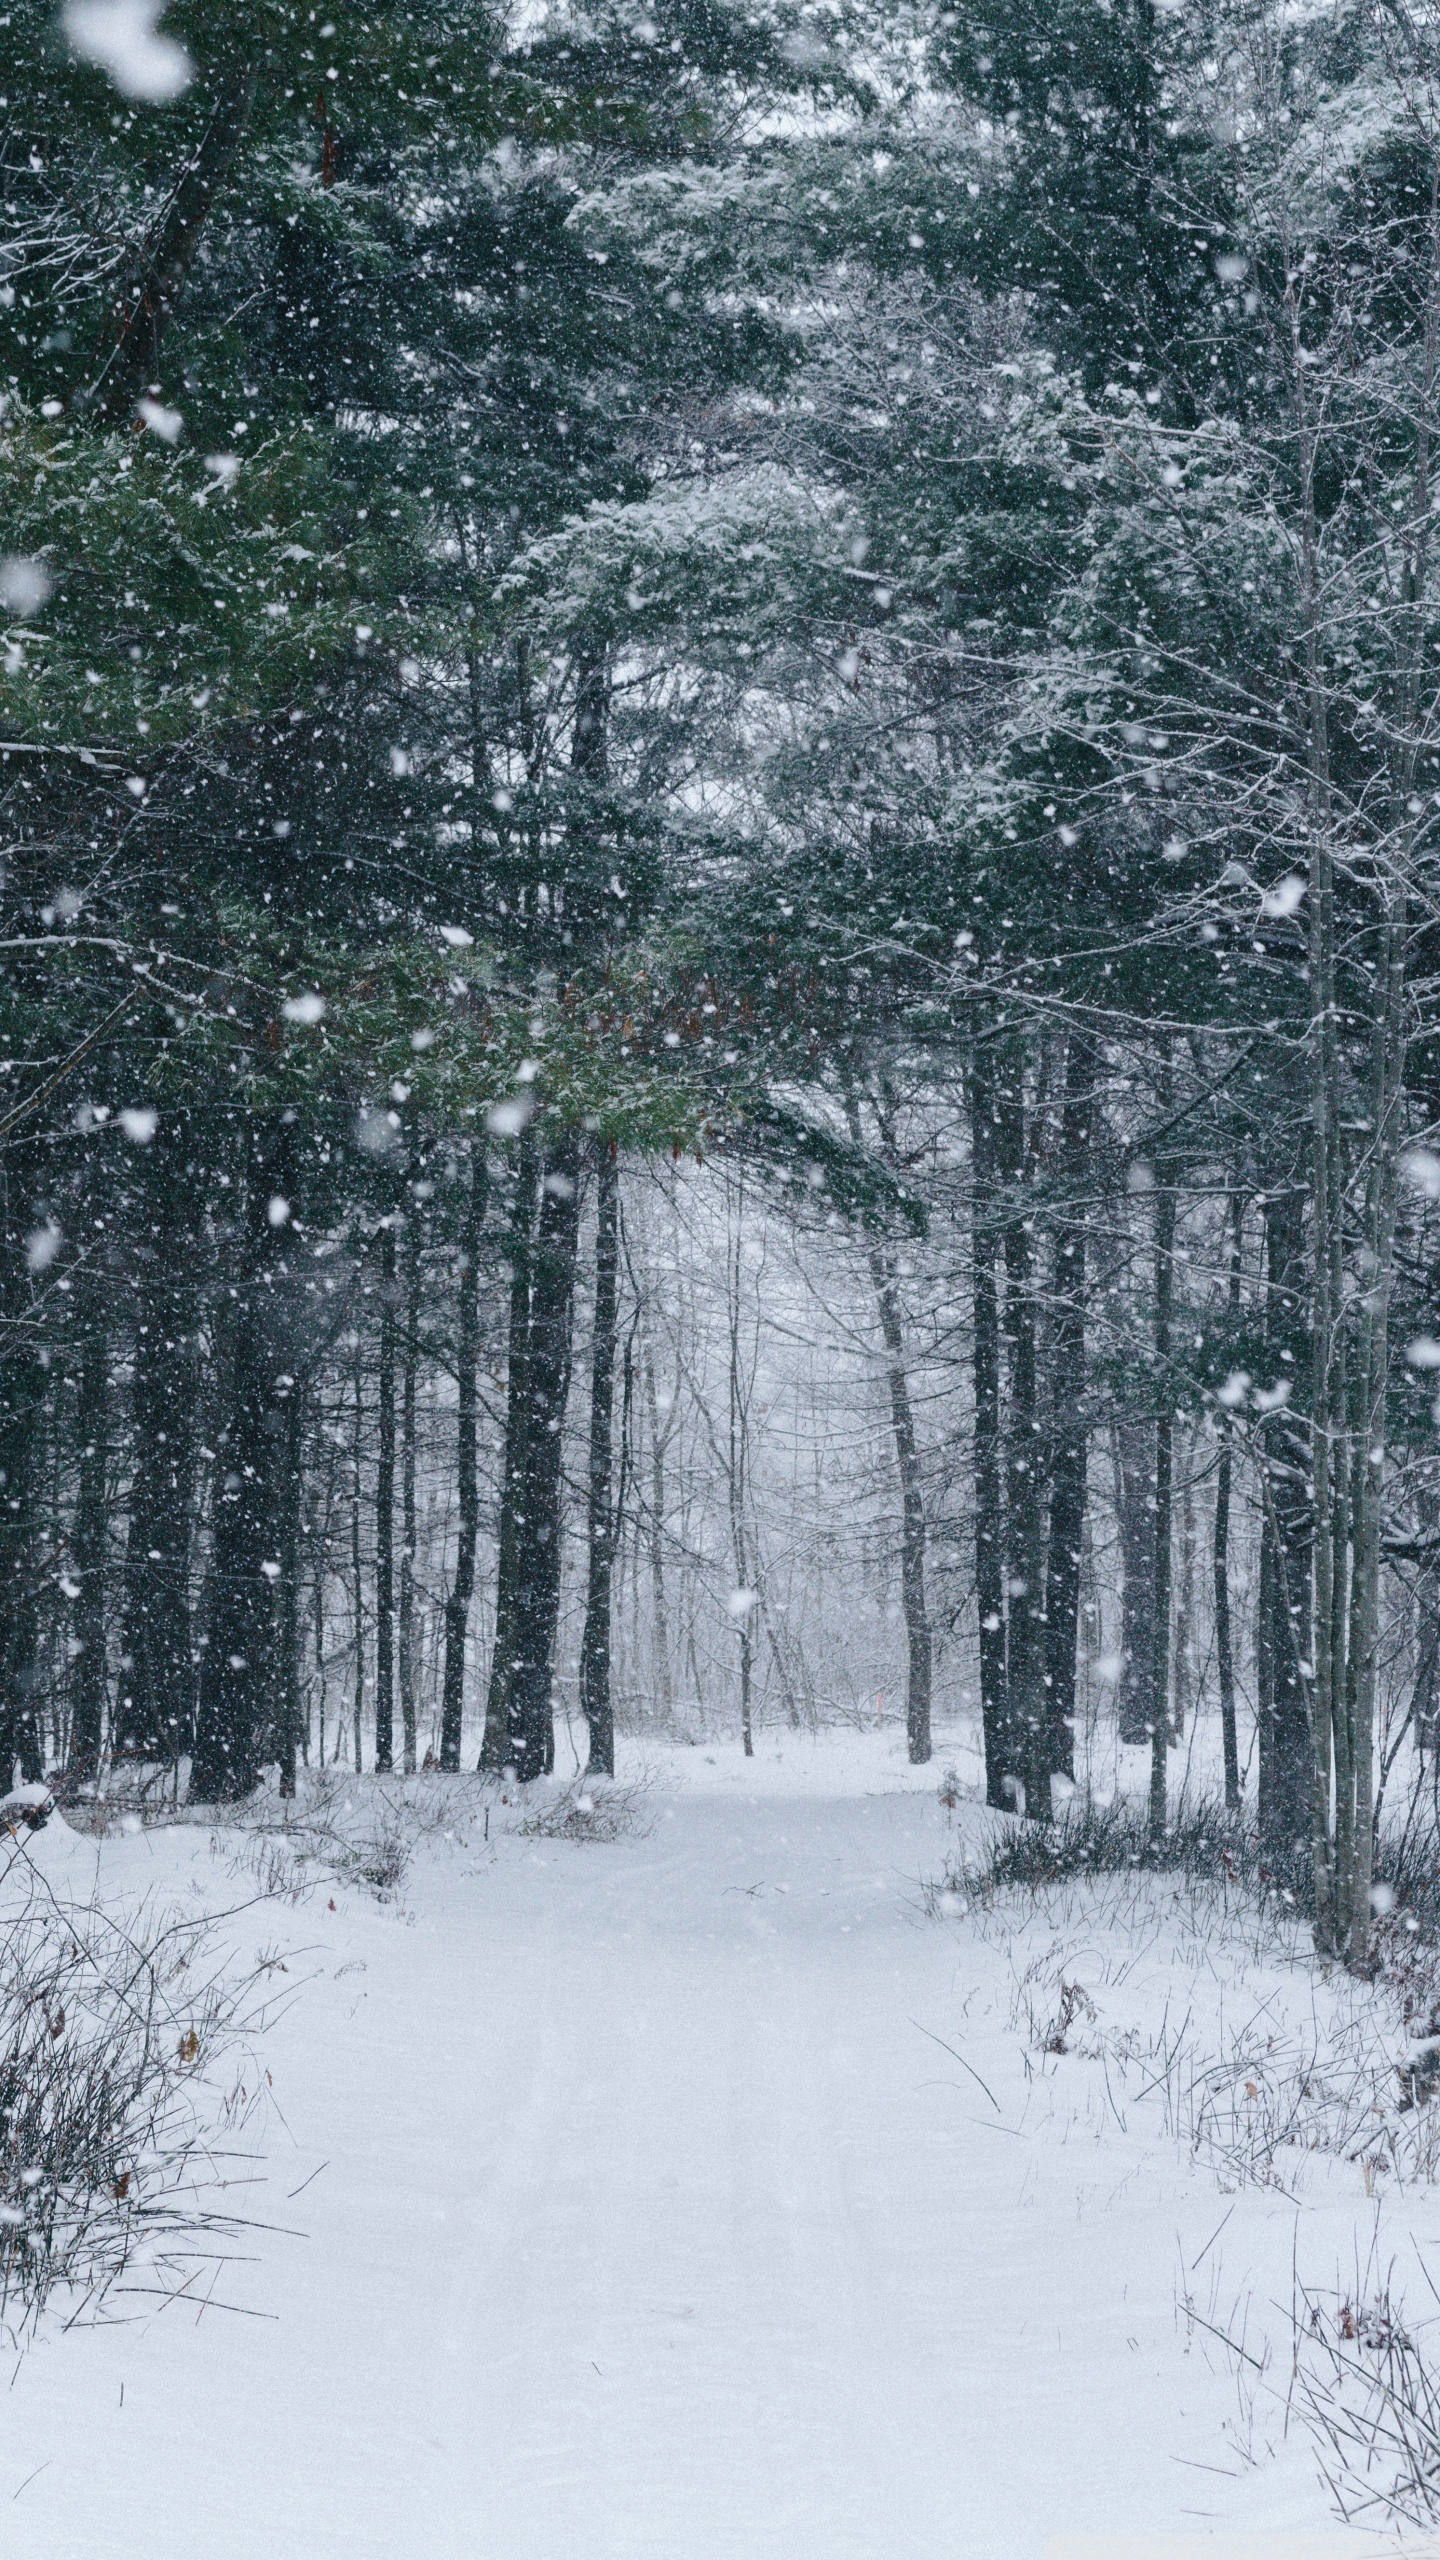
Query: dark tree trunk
[[1285, 1807], [385, 1516], [596, 1703], [1224, 1644], [1024, 1488], [1265, 1662], [1068, 1441], [155, 1695], [659, 1603], [912, 1529], [357, 1457], [237, 1716], [1224, 1647], [919, 1646], [537, 1575], [291, 1505], [236, 1661], [1160, 1731], [747, 1729], [89, 1690], [23, 1391], [1427, 1663], [495, 1749], [457, 1605], [409, 1376], [133, 358], [988, 1459], [1135, 1508]]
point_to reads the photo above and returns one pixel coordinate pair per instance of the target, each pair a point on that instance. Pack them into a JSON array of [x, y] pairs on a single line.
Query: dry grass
[[592, 1809], [337, 1830], [1365, 2388], [108, 2025]]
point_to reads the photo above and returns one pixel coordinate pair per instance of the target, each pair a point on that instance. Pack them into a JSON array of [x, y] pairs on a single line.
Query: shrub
[[105, 2028]]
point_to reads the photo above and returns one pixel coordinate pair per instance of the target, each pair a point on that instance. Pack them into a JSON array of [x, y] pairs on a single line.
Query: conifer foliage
[[849, 600]]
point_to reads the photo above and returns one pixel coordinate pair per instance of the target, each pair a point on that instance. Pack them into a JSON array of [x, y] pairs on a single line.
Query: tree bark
[[1134, 1448], [1224, 1648], [1164, 1484], [89, 1695], [1285, 1751], [918, 1641], [537, 1564], [495, 1748], [133, 358], [595, 1699], [1183, 1666], [385, 1515], [660, 1613], [1068, 1452], [155, 1699], [1024, 1491], [989, 1499], [409, 1376], [237, 1712], [737, 1478], [919, 1648], [287, 1542], [356, 1479], [457, 1605]]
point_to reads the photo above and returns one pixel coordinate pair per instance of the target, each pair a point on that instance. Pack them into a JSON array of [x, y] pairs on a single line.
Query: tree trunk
[[495, 1748], [1068, 1428], [385, 1515], [737, 1477], [236, 1661], [1224, 1650], [409, 1376], [537, 1571], [133, 359], [288, 1538], [238, 1716], [659, 1605], [457, 1605], [89, 1687], [595, 1699], [912, 1498], [356, 1480], [1183, 1670], [1164, 1485], [919, 1646], [1134, 1446], [154, 1706], [1024, 1492], [1285, 1752], [989, 1498]]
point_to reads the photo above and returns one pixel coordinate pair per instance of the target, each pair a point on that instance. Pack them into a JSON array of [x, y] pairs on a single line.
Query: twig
[[964, 2065]]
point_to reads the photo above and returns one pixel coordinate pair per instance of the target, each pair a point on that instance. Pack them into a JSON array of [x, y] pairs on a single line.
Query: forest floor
[[709, 2193]]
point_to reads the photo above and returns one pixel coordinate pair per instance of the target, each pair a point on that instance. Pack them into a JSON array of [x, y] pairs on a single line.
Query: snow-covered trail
[[653, 2226]]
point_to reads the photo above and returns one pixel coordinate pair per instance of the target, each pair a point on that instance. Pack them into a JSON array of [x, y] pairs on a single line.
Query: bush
[[104, 2030], [1203, 1842], [591, 1809]]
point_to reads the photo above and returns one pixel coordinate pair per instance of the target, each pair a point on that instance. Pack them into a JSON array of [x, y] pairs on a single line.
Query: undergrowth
[[592, 1809], [1265, 2088], [108, 2025], [1202, 1842]]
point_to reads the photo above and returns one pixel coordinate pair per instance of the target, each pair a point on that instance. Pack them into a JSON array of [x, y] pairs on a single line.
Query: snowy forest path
[[652, 2226]]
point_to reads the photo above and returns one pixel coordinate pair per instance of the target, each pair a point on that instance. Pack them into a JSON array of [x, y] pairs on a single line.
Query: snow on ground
[[708, 2194]]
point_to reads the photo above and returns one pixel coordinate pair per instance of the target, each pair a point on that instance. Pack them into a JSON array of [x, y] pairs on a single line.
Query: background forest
[[721, 787]]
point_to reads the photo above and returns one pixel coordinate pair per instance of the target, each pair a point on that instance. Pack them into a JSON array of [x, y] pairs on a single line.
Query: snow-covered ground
[[708, 2194]]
